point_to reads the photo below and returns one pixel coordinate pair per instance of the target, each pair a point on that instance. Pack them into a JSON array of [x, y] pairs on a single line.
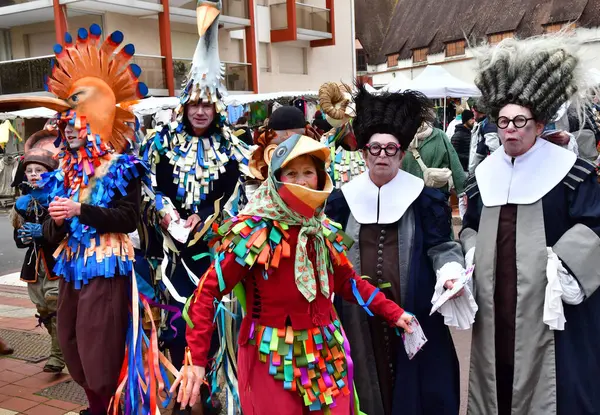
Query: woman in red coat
[[293, 354]]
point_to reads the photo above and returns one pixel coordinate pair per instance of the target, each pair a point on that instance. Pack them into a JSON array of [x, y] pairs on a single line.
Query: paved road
[[11, 257]]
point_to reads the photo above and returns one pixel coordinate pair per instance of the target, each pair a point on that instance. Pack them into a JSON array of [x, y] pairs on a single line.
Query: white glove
[[458, 312], [561, 287], [470, 258]]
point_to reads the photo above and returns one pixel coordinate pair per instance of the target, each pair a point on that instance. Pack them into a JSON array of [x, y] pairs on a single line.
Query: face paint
[[73, 138]]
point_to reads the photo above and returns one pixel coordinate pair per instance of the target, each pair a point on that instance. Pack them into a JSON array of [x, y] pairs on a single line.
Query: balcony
[[235, 14], [238, 75], [137, 8], [293, 20], [26, 76]]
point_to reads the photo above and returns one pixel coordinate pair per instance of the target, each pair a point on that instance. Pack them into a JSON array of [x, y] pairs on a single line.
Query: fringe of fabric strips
[[312, 362], [345, 165], [86, 254], [145, 370], [197, 161]]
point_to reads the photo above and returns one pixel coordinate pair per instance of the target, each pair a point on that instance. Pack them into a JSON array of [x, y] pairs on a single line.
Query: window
[[455, 48], [392, 60], [496, 38], [557, 27], [292, 60], [361, 60], [264, 56], [420, 55]]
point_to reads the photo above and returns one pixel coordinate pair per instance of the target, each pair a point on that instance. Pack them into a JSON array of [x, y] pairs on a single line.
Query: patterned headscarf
[[268, 202]]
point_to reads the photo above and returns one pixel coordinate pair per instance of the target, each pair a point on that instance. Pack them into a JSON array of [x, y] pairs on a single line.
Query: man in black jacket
[[461, 140]]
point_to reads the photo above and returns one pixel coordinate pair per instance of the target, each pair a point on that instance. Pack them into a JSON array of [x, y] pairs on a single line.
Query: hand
[[166, 220], [560, 138], [191, 379], [450, 285], [24, 236], [404, 322], [62, 208], [29, 231], [34, 229], [192, 221]]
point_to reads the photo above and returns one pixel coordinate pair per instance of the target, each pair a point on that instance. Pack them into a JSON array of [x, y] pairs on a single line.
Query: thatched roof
[[432, 23], [373, 18]]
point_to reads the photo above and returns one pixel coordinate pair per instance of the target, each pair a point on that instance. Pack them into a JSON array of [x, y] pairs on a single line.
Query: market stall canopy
[[397, 84], [39, 112], [242, 99], [152, 105], [437, 82], [370, 89]]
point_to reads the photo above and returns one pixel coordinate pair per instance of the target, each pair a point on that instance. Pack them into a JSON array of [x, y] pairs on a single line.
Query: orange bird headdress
[[89, 79]]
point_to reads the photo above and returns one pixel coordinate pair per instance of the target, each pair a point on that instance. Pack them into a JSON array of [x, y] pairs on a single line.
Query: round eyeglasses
[[391, 149], [519, 121]]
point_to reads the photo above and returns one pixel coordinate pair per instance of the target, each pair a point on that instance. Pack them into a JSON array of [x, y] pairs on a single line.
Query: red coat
[[276, 301]]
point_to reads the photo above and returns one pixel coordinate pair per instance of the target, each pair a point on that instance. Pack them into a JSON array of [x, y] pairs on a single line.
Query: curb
[[12, 279]]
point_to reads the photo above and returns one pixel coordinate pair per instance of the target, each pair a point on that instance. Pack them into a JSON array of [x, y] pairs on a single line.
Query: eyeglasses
[[391, 149], [519, 121]]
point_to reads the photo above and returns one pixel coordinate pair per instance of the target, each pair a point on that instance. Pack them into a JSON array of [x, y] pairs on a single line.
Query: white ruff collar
[[526, 180], [371, 204]]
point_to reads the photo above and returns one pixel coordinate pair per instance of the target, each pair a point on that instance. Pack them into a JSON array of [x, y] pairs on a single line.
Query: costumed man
[[402, 232], [29, 213], [96, 202], [293, 357], [346, 161], [533, 224], [196, 163]]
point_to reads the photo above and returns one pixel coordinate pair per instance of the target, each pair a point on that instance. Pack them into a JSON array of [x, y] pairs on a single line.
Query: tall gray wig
[[540, 73]]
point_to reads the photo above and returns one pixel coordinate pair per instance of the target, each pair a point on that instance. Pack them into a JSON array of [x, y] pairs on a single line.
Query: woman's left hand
[[449, 285]]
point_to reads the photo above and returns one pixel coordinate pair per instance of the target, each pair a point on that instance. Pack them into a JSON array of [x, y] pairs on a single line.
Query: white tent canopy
[[437, 82], [370, 89], [39, 112], [243, 99], [151, 105], [398, 84]]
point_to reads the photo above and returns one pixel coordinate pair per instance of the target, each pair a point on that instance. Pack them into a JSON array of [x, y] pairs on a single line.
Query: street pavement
[[20, 380], [11, 257]]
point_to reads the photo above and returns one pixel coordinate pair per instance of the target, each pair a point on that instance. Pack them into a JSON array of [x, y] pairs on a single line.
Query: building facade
[[433, 32], [266, 45]]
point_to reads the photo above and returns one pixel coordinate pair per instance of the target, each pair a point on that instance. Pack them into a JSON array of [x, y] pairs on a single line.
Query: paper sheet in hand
[[448, 294], [178, 230], [414, 341]]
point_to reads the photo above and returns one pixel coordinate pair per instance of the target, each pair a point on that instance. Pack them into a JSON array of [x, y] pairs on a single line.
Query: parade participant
[[295, 262], [346, 161], [533, 225], [285, 122], [96, 202], [195, 162], [402, 232], [29, 213]]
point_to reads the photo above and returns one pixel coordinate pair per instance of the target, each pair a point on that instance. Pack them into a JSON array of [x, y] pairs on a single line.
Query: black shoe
[[85, 412], [54, 369]]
